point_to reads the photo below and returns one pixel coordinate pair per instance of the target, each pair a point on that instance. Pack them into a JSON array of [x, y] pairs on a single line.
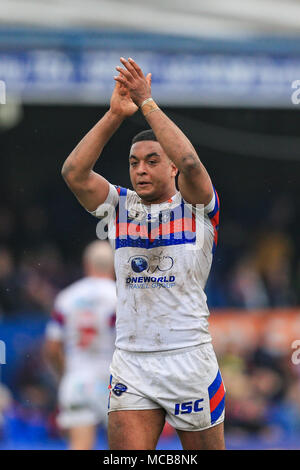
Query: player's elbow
[[73, 178], [66, 171], [190, 165]]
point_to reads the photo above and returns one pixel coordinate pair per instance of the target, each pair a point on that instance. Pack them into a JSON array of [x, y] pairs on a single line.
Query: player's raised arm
[[90, 188], [194, 182]]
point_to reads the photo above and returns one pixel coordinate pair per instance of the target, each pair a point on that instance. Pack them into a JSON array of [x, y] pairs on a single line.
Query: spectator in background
[[246, 287], [284, 416], [273, 261], [263, 277], [43, 274], [80, 343], [31, 284]]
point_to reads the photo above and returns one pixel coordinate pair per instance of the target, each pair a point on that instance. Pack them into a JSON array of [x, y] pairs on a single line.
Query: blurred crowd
[[263, 391], [34, 270], [257, 264]]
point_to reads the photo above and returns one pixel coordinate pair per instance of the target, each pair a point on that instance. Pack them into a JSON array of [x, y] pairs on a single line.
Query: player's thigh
[[135, 429], [208, 439], [82, 437]]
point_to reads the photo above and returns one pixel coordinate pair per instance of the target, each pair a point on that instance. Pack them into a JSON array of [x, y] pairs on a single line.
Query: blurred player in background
[[164, 366], [80, 343]]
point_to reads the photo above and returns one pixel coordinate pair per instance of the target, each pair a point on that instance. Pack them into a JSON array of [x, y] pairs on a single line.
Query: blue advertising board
[[213, 78]]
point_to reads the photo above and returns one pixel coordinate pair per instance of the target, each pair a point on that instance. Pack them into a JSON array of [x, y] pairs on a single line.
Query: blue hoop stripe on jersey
[[177, 238], [147, 244]]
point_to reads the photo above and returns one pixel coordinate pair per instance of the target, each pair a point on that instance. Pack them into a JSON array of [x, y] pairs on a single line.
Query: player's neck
[[166, 197]]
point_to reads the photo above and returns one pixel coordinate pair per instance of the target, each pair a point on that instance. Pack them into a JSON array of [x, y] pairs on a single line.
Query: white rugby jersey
[[163, 255], [83, 318]]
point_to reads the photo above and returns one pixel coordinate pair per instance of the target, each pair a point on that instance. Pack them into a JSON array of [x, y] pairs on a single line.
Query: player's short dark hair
[[144, 135]]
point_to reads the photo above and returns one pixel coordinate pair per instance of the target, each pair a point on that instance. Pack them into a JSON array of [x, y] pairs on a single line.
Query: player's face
[[152, 173]]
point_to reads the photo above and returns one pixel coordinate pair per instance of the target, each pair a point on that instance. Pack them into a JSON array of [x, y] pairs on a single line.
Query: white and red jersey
[[163, 256], [83, 319]]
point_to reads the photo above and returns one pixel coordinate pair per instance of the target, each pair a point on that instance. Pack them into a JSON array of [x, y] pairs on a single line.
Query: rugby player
[[164, 366], [80, 340]]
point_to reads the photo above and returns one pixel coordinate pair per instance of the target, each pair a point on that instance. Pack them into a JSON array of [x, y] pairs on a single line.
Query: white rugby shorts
[[186, 383], [82, 400]]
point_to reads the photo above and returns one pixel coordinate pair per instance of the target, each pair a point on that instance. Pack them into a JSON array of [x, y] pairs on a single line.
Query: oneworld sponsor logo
[[149, 265], [147, 282]]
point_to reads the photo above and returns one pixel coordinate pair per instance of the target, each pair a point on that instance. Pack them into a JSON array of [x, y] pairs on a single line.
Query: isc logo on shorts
[[188, 407]]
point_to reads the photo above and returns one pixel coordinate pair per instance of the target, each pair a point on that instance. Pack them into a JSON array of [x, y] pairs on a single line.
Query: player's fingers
[[136, 67], [124, 73], [120, 85], [149, 79], [121, 80], [129, 67]]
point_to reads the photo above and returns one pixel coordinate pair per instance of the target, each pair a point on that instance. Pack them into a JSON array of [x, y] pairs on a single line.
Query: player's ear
[[174, 168]]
